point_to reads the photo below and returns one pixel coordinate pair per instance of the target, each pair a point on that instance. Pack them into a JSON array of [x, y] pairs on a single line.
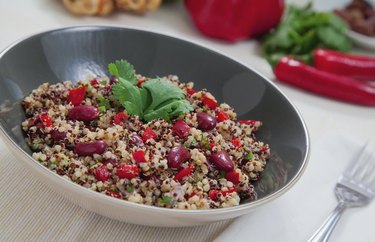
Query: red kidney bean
[[222, 161], [83, 113], [90, 148], [57, 135], [181, 129], [177, 155], [206, 122]]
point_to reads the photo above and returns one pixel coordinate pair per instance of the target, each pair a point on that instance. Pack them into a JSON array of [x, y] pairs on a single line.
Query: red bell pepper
[[235, 20], [355, 66], [324, 83]]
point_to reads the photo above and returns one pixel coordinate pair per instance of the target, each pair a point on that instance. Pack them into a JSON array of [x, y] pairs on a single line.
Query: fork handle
[[325, 230]]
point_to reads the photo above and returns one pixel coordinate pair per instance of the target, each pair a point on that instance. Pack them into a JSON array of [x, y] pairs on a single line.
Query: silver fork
[[355, 187]]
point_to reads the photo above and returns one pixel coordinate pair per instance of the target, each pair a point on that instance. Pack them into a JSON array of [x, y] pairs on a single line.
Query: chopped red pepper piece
[[213, 194], [127, 171], [236, 142], [221, 116], [249, 122], [184, 173], [233, 177], [120, 118], [181, 129], [94, 82], [45, 119], [139, 156], [113, 194], [190, 91], [77, 95], [209, 102], [140, 82], [212, 145], [148, 134], [102, 173]]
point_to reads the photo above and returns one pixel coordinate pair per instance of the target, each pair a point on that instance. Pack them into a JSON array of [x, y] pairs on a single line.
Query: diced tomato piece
[[249, 122], [127, 171], [190, 91], [230, 190], [120, 118], [212, 145], [148, 134], [45, 119], [233, 177], [139, 156], [113, 194], [77, 95], [209, 102], [181, 129], [221, 116], [184, 173], [102, 173], [236, 142], [264, 148]]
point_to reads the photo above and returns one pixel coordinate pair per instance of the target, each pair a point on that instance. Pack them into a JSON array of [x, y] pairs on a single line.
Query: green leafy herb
[[103, 103], [249, 156], [222, 174], [166, 200], [157, 98], [301, 31], [204, 143], [130, 188], [123, 69], [103, 83]]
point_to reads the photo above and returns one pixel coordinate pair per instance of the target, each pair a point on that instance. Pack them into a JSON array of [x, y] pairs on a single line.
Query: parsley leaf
[[157, 98], [103, 103], [128, 96], [123, 69], [166, 200]]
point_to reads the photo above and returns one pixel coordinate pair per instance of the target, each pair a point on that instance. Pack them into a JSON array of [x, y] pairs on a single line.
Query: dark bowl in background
[[78, 52]]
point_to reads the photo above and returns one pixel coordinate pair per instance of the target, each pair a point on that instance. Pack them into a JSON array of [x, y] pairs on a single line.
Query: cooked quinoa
[[121, 156]]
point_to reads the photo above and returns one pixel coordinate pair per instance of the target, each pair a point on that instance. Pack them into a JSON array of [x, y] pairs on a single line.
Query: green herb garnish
[[103, 103], [301, 31], [130, 188], [157, 98], [249, 156], [166, 200], [204, 143]]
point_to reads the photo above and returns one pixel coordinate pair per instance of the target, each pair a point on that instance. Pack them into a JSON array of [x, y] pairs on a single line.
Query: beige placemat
[[31, 212]]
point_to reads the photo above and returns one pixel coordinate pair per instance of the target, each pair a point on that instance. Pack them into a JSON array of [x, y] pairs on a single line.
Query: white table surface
[[19, 19]]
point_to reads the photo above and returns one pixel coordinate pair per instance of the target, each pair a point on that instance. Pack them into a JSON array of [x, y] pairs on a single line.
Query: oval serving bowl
[[75, 53]]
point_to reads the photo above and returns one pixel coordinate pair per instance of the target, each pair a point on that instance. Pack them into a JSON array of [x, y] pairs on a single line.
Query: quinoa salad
[[153, 141]]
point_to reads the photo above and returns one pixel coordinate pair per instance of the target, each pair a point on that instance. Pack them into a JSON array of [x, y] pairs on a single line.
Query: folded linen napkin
[[296, 215]]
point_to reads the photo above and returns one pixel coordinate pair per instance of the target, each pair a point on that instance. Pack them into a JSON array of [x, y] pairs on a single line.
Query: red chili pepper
[[233, 177], [355, 66], [46, 120], [236, 142], [148, 134], [234, 20], [190, 91], [184, 173], [127, 171], [324, 83], [113, 194], [209, 102], [102, 173], [248, 122], [77, 95], [139, 156], [221, 116], [120, 118]]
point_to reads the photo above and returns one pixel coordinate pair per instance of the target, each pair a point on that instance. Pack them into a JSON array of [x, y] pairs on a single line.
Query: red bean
[[206, 122], [177, 155], [83, 113], [181, 129], [222, 161], [57, 135], [90, 148]]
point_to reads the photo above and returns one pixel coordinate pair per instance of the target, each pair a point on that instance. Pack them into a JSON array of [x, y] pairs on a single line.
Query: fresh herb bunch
[[301, 31], [157, 98]]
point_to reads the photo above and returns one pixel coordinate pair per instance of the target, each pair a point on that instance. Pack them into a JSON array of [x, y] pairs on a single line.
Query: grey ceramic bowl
[[73, 53]]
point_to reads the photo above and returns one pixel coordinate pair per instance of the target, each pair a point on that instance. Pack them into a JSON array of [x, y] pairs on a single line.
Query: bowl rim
[[126, 204]]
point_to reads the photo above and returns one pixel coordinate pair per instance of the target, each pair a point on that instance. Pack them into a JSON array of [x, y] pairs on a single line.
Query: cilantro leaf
[[128, 96], [166, 200], [123, 69], [103, 103]]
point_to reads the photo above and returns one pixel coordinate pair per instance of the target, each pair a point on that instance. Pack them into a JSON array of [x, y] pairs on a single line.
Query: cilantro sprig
[[157, 98]]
